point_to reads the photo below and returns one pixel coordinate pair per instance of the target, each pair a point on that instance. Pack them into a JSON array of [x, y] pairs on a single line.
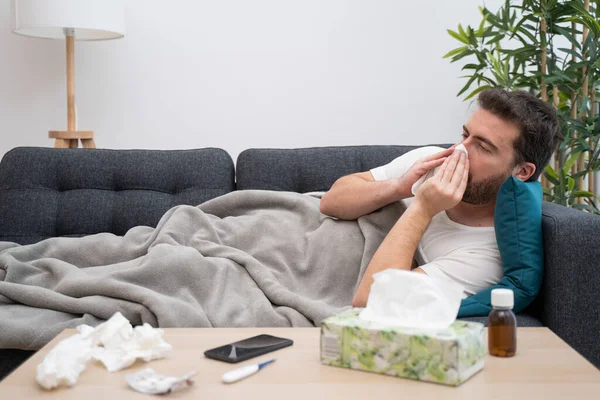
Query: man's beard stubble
[[483, 192]]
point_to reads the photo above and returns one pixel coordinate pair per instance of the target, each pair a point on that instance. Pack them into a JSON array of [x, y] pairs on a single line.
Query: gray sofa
[[47, 192]]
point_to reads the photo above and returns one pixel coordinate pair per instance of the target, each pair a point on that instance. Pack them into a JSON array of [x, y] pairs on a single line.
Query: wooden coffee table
[[545, 367]]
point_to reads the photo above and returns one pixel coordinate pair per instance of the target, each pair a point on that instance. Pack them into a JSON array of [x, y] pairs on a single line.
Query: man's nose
[[468, 142]]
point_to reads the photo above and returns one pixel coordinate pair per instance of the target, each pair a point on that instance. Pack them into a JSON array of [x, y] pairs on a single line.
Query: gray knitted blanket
[[246, 259]]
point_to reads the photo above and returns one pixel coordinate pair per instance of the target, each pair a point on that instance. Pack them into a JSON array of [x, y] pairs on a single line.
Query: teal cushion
[[518, 225]]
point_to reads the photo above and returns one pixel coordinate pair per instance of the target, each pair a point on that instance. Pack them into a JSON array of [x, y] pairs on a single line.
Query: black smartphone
[[248, 348]]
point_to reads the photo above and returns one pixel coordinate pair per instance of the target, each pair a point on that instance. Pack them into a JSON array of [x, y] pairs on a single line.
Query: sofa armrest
[[571, 287]]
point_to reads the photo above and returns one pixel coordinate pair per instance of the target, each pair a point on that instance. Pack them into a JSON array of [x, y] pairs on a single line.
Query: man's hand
[[420, 168], [354, 195], [445, 189]]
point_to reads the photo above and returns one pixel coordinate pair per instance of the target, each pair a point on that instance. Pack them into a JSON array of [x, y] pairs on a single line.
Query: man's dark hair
[[538, 124]]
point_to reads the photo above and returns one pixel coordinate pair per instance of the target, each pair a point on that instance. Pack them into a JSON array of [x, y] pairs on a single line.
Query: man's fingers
[[440, 172], [465, 179], [450, 167], [457, 176], [428, 165]]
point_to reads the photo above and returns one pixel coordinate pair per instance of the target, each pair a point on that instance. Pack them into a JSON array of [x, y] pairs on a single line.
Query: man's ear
[[524, 171]]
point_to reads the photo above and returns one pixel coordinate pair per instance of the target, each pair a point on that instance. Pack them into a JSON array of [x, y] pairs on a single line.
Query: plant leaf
[[455, 51], [471, 66], [567, 35], [462, 55], [495, 39], [482, 23], [467, 85], [461, 31], [570, 162], [550, 174], [458, 37], [582, 193], [570, 183], [476, 91], [571, 52]]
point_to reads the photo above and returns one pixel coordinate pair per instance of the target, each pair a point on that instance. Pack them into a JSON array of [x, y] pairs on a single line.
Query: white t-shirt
[[466, 255]]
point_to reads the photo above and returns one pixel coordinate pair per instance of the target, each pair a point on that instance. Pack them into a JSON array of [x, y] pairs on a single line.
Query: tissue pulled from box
[[412, 300], [115, 343]]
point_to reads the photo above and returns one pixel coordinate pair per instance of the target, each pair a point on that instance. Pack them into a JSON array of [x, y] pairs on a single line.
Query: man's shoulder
[[419, 153], [398, 166]]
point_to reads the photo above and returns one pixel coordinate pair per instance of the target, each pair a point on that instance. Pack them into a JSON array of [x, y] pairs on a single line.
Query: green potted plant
[[550, 48]]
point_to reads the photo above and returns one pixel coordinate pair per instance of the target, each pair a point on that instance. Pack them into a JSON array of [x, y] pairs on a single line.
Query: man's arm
[[442, 191], [396, 250], [355, 195]]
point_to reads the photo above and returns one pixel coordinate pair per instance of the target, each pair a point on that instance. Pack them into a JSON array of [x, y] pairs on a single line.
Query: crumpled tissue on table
[[115, 343]]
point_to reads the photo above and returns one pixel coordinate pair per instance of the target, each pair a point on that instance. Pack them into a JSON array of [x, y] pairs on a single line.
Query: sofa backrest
[[46, 192], [309, 169]]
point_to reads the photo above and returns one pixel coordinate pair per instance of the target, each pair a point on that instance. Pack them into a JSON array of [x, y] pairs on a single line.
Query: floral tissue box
[[449, 356]]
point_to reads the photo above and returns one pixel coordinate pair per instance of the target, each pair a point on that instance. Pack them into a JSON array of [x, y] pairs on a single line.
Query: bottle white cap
[[503, 298]]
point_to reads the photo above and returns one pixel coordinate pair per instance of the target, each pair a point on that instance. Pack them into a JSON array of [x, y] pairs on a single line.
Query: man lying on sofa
[[449, 223]]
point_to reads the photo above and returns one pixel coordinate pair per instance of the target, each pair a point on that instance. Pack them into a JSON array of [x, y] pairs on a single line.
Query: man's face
[[489, 141]]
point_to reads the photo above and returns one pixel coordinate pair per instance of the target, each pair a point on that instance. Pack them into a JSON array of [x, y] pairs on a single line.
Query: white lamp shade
[[90, 19]]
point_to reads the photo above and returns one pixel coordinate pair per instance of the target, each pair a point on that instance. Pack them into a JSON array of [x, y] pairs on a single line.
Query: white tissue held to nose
[[429, 174], [461, 147], [115, 343]]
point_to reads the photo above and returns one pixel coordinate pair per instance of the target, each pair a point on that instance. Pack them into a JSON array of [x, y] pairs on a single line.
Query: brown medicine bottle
[[502, 324]]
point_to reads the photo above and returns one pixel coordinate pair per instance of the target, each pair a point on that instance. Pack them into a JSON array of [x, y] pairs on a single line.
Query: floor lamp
[[71, 20]]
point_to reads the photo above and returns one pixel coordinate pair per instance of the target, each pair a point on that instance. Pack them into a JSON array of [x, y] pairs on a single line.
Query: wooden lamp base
[[70, 139]]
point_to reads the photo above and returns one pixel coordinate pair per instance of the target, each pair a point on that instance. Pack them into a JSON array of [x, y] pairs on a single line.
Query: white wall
[[237, 74]]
